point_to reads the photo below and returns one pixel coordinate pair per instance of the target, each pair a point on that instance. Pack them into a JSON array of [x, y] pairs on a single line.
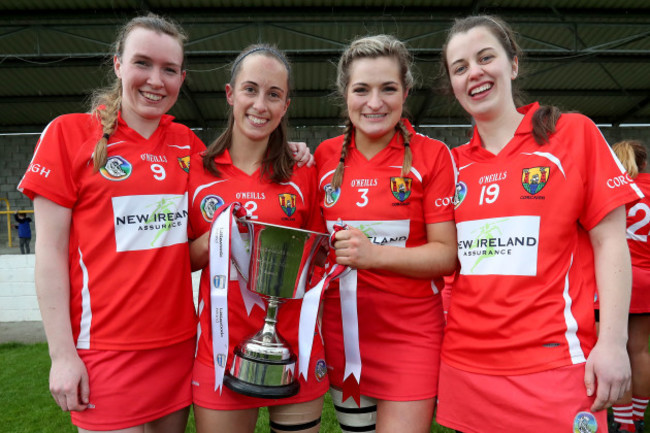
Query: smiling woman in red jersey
[[251, 163], [393, 187], [112, 260], [539, 212]]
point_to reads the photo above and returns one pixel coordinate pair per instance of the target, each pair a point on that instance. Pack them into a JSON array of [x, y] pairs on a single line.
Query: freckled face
[[259, 97], [375, 97], [481, 73], [151, 72]]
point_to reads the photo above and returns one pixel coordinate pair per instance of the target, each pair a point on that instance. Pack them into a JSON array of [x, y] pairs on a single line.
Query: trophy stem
[[271, 319]]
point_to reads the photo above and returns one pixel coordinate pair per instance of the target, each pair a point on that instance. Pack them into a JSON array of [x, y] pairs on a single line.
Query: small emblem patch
[[116, 168], [534, 179], [209, 205], [585, 422], [331, 195], [320, 370], [287, 203], [400, 187]]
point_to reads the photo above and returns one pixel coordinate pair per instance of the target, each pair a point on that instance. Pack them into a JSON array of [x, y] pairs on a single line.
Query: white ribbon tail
[[307, 325], [348, 292], [219, 280]]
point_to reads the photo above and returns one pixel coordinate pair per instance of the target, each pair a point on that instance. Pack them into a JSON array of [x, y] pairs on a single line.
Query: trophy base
[[260, 391]]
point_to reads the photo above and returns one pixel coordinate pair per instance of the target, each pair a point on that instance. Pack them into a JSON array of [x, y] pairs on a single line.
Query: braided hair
[[106, 103]]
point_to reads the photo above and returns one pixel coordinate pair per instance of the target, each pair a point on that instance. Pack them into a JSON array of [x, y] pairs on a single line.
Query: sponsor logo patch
[[400, 187], [221, 360], [535, 178], [116, 168]]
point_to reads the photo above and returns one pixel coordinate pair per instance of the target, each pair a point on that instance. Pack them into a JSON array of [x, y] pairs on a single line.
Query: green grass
[[28, 407]]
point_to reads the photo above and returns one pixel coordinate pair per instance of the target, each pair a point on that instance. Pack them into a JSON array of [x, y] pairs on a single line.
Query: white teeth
[[480, 89], [374, 116], [257, 120], [151, 96]]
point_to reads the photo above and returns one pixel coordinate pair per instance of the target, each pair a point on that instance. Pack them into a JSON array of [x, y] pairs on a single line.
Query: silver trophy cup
[[282, 262]]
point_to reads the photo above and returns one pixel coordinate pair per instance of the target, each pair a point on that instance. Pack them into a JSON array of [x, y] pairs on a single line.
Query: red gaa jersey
[[523, 298], [130, 285], [388, 208]]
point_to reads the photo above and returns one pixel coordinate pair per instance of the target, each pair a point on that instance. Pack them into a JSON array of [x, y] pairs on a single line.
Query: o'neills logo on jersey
[[116, 168], [331, 195], [149, 221], [400, 187], [534, 179], [287, 203], [209, 205], [184, 162], [499, 246]]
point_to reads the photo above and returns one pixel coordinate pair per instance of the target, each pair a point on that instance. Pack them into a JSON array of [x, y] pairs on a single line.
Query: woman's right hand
[[69, 382]]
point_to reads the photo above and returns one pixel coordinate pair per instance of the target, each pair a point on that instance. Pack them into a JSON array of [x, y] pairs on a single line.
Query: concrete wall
[[17, 291]]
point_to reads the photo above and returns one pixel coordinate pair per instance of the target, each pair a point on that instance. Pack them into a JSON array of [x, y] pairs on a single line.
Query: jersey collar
[[525, 127]]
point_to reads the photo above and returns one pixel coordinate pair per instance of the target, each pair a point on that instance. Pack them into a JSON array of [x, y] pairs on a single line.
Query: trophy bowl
[[282, 262]]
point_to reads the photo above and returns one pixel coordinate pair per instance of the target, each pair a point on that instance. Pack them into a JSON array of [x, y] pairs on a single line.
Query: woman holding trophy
[[251, 163], [394, 189]]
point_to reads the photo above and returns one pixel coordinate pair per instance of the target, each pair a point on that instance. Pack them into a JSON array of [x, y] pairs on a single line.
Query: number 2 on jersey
[[632, 230]]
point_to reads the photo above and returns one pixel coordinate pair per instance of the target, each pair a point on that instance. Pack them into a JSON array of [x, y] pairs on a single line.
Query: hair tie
[[106, 135], [342, 160], [406, 144]]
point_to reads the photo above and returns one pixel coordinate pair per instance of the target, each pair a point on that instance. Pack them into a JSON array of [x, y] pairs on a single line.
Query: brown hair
[[106, 103], [546, 116], [278, 162], [632, 154], [373, 47]]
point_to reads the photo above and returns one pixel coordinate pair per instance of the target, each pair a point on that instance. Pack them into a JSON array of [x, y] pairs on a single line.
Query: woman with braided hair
[[112, 260], [393, 188]]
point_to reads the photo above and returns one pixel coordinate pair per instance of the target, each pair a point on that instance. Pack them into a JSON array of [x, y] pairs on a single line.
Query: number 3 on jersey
[[489, 193], [364, 197]]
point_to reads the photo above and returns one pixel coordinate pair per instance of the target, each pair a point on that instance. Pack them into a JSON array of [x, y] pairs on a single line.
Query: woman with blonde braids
[[393, 188], [629, 411], [112, 260]]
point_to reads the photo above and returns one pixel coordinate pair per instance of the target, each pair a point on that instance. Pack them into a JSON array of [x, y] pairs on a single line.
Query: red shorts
[[131, 388], [399, 341], [204, 395], [640, 302], [549, 401]]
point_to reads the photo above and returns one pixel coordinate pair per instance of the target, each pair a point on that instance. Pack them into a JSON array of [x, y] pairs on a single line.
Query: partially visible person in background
[[24, 231], [630, 410]]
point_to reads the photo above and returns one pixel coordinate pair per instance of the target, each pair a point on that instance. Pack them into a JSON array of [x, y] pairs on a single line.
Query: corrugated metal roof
[[591, 56]]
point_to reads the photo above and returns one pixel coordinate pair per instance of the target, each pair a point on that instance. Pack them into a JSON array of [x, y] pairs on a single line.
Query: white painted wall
[[17, 292]]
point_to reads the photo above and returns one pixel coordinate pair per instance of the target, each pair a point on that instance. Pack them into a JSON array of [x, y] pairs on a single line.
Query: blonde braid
[[106, 107], [407, 163], [337, 179]]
